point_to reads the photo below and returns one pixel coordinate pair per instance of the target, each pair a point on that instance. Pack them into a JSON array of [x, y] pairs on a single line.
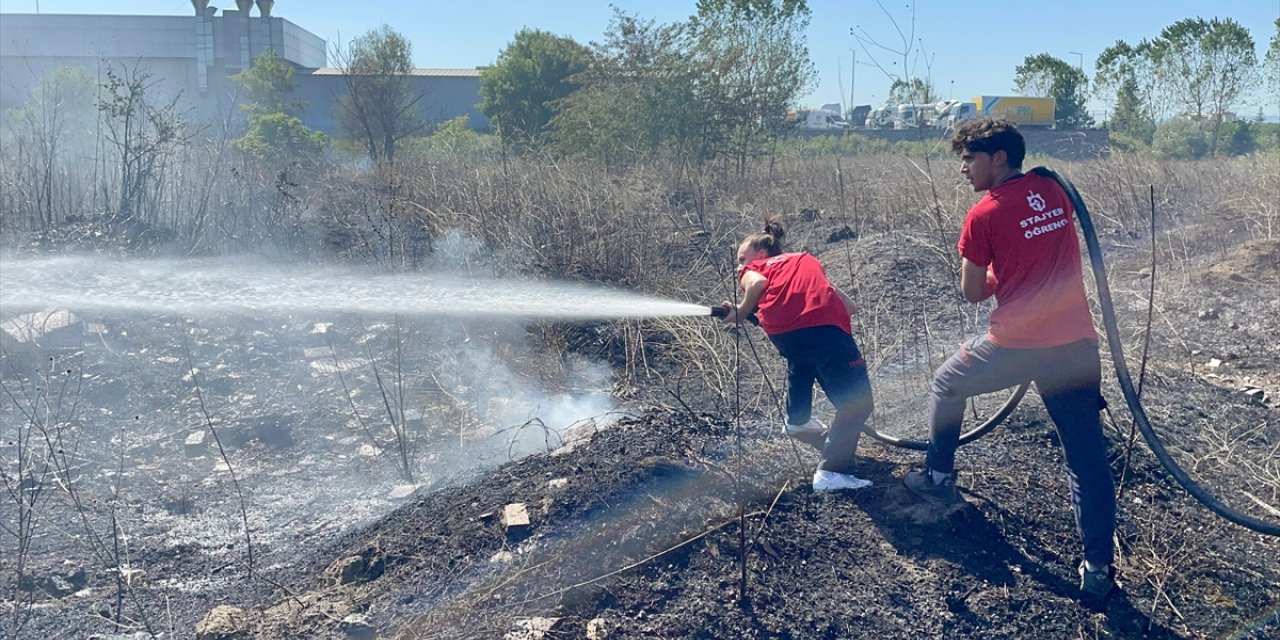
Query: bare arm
[[976, 282], [753, 286]]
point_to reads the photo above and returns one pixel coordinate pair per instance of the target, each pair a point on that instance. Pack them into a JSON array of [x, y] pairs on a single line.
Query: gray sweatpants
[[1069, 379]]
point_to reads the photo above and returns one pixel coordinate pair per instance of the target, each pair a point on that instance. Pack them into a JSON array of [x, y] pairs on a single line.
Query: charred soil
[[674, 522]]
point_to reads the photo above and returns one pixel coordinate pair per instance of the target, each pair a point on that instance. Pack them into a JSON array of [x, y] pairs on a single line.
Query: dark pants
[[830, 356], [1069, 380]]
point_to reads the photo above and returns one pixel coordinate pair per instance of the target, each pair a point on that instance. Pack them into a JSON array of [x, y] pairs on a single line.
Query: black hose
[[965, 438], [1126, 383]]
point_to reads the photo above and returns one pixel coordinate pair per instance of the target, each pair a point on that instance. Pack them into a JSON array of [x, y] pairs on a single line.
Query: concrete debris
[[194, 445], [515, 515], [532, 629], [1208, 314], [597, 629], [1214, 363], [502, 557], [558, 483], [357, 626], [402, 491]]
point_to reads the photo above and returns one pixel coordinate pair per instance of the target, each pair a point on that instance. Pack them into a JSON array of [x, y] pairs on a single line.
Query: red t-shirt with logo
[[1023, 230], [797, 295]]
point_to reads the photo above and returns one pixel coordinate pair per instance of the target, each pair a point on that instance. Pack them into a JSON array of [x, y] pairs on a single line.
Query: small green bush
[[1180, 138]]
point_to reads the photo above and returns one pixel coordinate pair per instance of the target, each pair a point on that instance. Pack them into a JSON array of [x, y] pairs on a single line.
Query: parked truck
[[817, 119], [950, 113], [914, 116], [858, 115], [880, 118], [1027, 111]]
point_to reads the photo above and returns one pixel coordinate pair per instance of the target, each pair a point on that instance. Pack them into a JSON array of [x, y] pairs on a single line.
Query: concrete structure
[[447, 94], [195, 55]]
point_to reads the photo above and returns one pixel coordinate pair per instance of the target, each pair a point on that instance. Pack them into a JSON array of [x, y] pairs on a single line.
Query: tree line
[[713, 88]]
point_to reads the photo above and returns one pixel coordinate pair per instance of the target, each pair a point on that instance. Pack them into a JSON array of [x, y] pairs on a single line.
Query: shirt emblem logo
[[1036, 201]]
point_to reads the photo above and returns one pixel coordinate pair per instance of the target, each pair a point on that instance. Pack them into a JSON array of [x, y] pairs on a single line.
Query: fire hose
[[1122, 374], [1126, 381]]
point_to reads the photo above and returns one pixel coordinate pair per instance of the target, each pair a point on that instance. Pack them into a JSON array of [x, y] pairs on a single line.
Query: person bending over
[[807, 319]]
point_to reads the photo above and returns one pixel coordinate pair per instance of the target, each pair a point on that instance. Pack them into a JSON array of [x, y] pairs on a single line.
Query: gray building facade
[[194, 56]]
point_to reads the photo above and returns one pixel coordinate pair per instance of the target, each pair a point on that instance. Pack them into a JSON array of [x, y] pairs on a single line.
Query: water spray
[[205, 286]]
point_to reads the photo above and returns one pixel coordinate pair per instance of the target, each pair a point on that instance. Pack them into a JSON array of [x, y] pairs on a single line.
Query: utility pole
[[853, 74], [1080, 64]]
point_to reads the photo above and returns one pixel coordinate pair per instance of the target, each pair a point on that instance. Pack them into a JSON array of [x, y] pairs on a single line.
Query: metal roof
[[445, 73]]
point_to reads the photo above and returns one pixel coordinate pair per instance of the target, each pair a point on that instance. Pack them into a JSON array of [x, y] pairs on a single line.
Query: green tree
[[275, 133], [1205, 65], [531, 75], [1125, 67], [715, 86], [143, 132], [1180, 138], [1045, 75], [915, 91], [280, 137], [636, 95], [453, 139], [1130, 116], [1198, 67], [381, 106], [1238, 138], [750, 62], [267, 85]]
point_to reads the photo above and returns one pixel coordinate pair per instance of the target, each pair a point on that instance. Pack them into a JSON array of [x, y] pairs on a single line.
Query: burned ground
[[638, 529]]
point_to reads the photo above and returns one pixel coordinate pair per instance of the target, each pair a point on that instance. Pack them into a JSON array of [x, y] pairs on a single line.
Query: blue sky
[[973, 47]]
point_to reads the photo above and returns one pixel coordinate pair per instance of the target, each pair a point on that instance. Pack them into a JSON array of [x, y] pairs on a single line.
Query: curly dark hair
[[989, 135], [770, 240]]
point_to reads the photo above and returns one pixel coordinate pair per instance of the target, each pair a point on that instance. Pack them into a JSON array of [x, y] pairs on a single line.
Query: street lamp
[[1080, 65]]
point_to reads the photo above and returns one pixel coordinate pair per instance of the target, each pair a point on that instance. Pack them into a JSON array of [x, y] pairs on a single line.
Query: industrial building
[[193, 57]]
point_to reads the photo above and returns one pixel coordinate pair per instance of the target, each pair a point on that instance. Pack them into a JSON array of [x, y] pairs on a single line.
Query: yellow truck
[[1025, 110]]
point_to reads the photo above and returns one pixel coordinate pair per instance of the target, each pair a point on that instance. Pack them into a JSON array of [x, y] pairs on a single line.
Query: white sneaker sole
[[804, 429], [843, 482]]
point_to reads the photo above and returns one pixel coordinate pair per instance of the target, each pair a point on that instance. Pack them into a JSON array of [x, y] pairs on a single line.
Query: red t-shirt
[[797, 295], [1023, 230]]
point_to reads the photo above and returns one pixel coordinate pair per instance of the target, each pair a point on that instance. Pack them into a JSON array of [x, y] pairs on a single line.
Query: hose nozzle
[[720, 312]]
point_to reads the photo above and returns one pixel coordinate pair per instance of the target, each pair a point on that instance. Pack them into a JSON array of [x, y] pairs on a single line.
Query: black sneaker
[[921, 483], [1095, 586]]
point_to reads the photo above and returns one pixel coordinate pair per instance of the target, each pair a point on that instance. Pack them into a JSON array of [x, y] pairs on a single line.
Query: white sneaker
[[832, 481], [812, 427]]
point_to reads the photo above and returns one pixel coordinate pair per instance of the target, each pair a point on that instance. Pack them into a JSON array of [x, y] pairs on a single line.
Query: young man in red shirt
[[807, 319], [1019, 244]]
